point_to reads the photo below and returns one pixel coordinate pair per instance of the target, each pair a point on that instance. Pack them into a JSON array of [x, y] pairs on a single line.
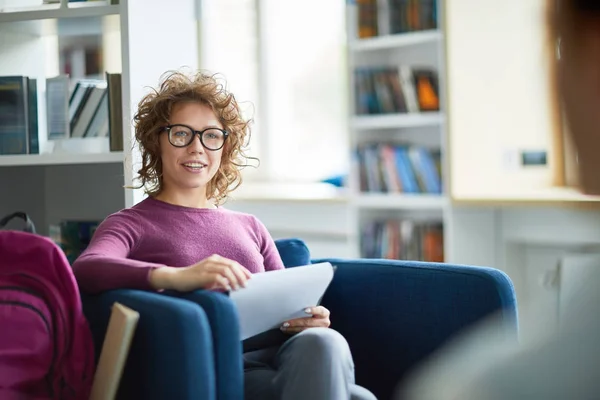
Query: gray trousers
[[314, 364]]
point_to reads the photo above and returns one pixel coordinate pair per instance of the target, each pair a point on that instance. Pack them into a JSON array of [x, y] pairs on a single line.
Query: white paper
[[273, 297]]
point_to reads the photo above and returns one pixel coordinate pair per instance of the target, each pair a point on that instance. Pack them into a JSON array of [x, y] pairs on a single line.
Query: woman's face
[[580, 90], [191, 167]]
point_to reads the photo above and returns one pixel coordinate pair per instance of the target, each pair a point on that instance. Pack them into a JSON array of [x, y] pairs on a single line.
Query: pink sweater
[[151, 234]]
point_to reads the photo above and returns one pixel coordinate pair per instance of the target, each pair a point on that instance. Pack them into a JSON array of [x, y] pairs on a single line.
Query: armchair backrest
[[394, 314], [293, 252]]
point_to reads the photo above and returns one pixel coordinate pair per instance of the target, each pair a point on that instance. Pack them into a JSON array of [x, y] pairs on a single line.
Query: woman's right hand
[[213, 273]]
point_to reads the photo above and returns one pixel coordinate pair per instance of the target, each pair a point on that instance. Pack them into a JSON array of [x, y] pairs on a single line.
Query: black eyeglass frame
[[194, 133]]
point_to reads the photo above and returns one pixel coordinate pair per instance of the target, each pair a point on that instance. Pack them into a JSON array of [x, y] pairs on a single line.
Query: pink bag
[[46, 347]]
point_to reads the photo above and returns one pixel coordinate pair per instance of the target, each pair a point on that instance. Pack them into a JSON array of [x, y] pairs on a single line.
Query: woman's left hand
[[319, 319]]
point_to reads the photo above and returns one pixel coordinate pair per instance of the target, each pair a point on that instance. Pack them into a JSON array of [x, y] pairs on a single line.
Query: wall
[[498, 96]]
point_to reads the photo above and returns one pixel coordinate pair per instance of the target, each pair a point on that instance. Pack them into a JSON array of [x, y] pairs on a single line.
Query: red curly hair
[[154, 111]]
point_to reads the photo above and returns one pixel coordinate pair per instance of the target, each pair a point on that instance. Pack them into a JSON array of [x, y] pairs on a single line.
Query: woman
[[191, 136], [547, 365]]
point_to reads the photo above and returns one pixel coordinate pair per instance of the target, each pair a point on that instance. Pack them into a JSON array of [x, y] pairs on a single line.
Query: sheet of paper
[[271, 298]]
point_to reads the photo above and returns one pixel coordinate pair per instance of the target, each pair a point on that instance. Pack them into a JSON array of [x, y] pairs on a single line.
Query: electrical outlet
[[534, 158]]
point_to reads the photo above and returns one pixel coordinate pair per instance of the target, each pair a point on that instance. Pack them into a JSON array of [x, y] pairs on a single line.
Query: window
[[229, 47], [286, 60]]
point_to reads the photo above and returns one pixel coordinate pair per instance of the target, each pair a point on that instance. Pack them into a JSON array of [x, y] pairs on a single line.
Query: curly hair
[[154, 112]]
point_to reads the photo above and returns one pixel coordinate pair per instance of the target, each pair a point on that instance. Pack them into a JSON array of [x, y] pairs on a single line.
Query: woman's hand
[[319, 319], [213, 273]]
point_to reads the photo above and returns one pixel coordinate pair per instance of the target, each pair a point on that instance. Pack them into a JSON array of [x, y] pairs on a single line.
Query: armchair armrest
[[396, 313], [171, 353], [223, 319]]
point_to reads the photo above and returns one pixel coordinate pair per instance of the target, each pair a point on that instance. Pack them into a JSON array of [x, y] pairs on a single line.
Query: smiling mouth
[[194, 166]]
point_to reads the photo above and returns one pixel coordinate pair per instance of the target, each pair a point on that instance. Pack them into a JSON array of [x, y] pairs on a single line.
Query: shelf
[[54, 11], [538, 197], [394, 201], [289, 192], [60, 159], [396, 41], [391, 121]]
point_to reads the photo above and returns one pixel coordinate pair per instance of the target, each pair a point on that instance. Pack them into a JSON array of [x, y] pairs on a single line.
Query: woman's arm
[[268, 249], [105, 265]]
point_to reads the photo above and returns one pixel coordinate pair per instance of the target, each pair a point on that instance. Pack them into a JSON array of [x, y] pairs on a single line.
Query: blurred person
[[191, 136], [563, 363]]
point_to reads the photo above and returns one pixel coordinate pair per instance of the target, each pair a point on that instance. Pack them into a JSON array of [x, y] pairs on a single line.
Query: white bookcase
[[419, 48], [141, 40]]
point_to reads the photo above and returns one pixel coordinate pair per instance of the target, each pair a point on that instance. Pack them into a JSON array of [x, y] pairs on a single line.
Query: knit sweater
[[128, 244]]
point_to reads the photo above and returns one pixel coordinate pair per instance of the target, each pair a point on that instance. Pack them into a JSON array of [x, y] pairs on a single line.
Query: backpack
[[46, 345]]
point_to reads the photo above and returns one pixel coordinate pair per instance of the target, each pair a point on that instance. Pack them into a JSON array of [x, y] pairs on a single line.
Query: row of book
[[403, 239], [396, 168], [85, 108], [18, 115], [402, 89], [73, 237], [388, 17]]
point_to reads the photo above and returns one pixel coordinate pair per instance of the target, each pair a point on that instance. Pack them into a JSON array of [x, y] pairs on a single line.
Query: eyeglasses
[[182, 135]]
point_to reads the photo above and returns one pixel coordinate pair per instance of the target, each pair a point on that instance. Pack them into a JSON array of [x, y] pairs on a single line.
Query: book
[[73, 237], [14, 115], [89, 108], [33, 128], [115, 349], [273, 297], [115, 111], [57, 107]]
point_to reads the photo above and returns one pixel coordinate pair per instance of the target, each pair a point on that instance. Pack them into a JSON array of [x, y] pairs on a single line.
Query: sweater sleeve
[[104, 264], [268, 249]]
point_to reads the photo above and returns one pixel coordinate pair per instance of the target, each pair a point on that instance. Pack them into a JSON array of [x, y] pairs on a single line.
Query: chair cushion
[[293, 252]]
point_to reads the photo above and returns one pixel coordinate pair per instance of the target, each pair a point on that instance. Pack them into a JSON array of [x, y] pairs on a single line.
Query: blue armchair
[[394, 314]]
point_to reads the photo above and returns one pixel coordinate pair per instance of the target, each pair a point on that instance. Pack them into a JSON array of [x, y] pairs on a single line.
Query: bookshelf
[[396, 133], [396, 41], [392, 201], [396, 121], [60, 159], [58, 11], [74, 183]]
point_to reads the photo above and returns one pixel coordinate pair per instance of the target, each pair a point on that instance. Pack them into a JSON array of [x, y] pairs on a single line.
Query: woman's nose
[[196, 145]]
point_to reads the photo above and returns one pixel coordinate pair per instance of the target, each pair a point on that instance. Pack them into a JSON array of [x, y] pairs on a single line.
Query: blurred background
[[404, 129]]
